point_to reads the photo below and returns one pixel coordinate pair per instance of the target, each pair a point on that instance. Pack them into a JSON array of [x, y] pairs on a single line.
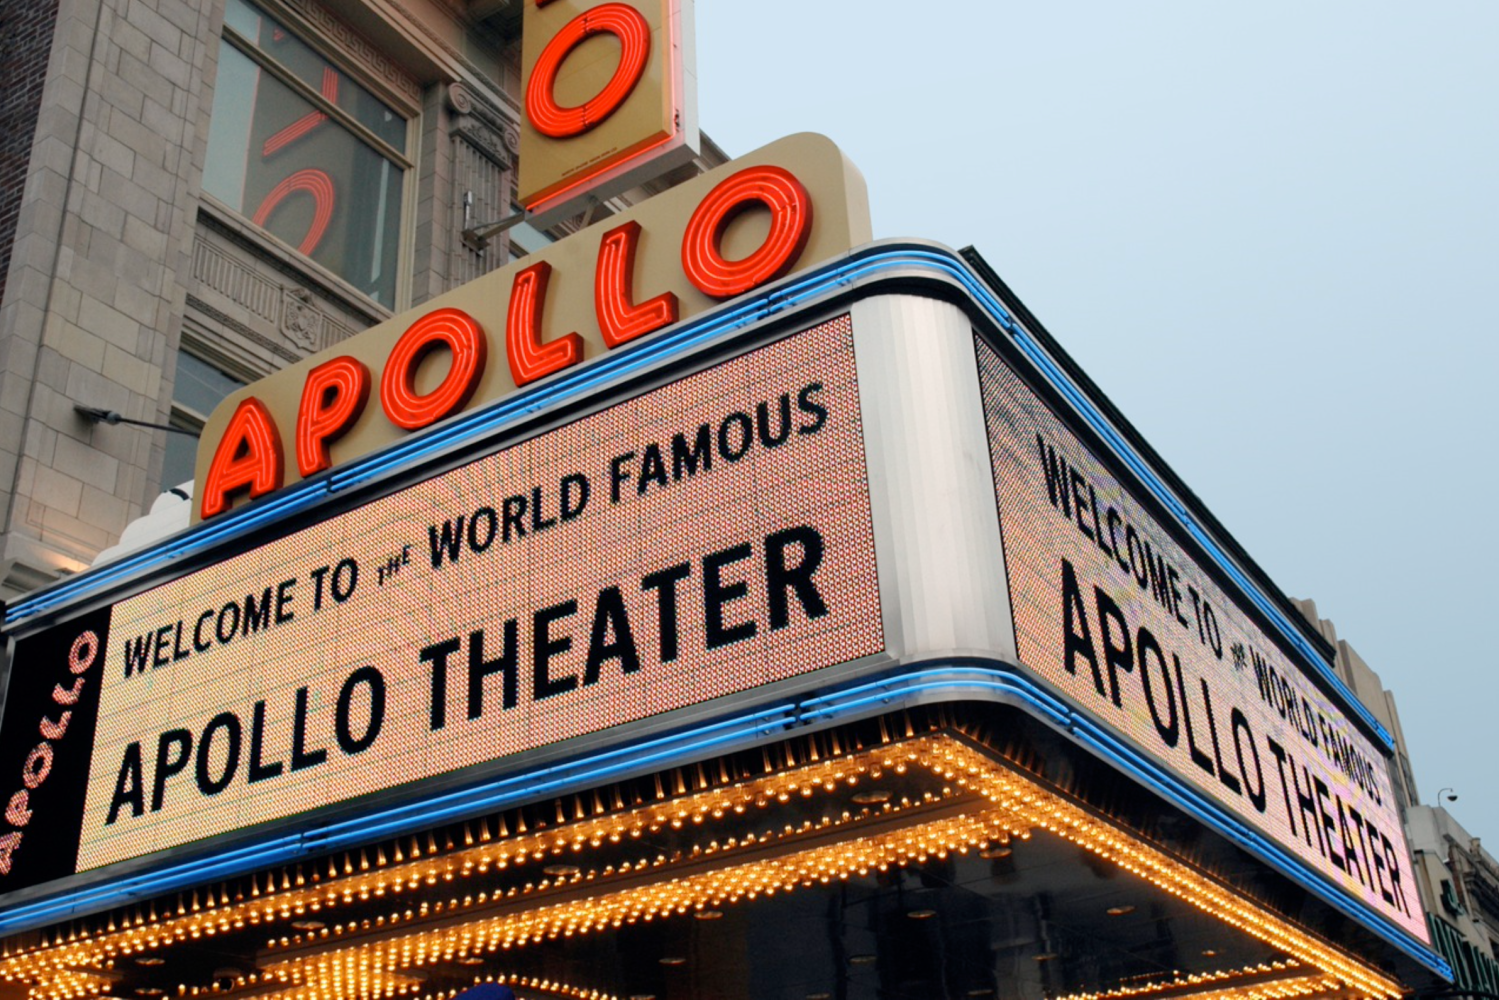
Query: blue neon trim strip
[[304, 497], [858, 700]]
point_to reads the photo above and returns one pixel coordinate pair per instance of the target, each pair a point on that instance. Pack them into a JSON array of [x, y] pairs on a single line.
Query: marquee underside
[[908, 855]]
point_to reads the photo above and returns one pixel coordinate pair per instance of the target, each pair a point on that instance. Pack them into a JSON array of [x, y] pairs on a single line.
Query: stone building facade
[[194, 195], [1459, 882]]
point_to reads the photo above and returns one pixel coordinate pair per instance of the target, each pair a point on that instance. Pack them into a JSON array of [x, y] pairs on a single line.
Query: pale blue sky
[[1269, 231]]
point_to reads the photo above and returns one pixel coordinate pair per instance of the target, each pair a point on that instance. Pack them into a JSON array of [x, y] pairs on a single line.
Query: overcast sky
[[1269, 231]]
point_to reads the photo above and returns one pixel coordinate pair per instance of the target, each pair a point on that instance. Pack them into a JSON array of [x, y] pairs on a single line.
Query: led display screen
[[1110, 609], [704, 538]]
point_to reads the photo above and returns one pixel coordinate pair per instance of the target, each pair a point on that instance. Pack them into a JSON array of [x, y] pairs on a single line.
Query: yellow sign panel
[[608, 98]]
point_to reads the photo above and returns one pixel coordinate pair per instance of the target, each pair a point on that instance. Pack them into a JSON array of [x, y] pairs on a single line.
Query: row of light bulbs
[[1044, 809], [376, 873]]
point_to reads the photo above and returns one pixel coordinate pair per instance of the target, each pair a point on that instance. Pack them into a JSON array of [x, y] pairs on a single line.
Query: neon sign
[[726, 233]]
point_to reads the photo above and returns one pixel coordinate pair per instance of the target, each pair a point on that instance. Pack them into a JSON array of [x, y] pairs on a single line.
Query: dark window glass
[[181, 459], [199, 387], [269, 36]]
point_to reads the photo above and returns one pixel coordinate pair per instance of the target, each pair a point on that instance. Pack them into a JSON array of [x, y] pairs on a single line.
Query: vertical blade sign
[[609, 96]]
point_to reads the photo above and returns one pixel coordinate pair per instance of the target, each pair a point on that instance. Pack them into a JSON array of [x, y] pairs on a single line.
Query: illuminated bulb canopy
[[1013, 808]]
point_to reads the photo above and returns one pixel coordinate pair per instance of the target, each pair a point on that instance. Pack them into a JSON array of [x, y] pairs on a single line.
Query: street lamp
[[98, 415], [1446, 795]]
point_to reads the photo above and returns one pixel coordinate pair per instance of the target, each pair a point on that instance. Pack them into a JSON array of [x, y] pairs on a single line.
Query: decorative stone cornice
[[490, 128], [356, 48]]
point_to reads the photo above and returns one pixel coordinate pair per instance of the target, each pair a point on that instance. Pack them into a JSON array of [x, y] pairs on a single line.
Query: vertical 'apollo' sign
[[609, 98]]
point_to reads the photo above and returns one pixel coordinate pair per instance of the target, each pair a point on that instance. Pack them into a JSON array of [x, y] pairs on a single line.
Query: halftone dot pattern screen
[[705, 538], [1112, 611]]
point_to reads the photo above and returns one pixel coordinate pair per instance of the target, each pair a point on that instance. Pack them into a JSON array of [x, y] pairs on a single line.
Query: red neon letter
[[315, 183], [463, 337], [332, 399], [613, 276], [790, 226], [530, 359], [248, 455], [634, 34], [306, 123]]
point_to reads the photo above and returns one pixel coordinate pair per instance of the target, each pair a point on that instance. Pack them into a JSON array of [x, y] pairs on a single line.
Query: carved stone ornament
[[459, 99], [301, 321], [485, 140], [355, 45], [475, 108]]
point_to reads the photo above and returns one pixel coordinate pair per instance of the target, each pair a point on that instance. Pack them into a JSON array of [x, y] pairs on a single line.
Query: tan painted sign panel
[[839, 222], [608, 98]]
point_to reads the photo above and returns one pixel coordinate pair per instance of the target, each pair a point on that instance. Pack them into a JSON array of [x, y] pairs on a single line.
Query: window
[[199, 387], [305, 153], [526, 238]]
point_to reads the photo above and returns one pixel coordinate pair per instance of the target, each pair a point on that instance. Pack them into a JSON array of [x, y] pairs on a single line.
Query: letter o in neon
[[620, 20], [790, 227], [461, 334], [309, 181]]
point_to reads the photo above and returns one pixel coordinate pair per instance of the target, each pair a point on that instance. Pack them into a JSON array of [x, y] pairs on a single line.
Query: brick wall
[[25, 39]]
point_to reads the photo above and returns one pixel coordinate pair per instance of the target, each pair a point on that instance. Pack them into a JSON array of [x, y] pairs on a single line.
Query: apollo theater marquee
[[716, 603]]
